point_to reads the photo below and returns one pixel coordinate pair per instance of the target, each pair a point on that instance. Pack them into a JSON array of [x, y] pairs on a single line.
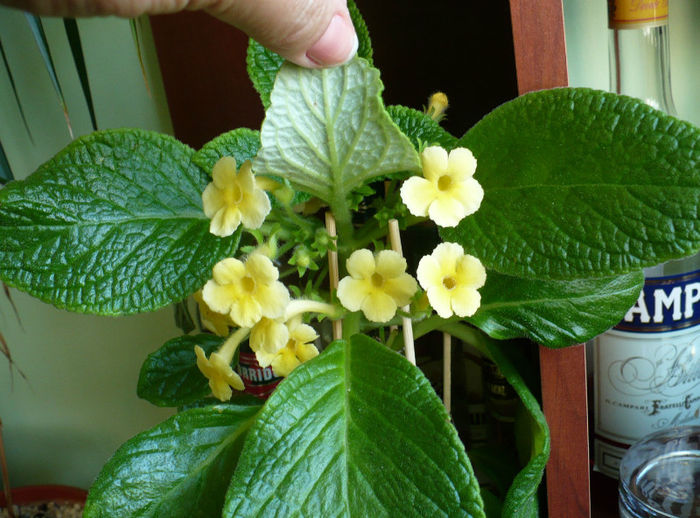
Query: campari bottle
[[647, 368]]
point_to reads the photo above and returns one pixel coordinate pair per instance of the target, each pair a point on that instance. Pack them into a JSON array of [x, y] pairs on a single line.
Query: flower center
[[377, 280], [234, 195], [449, 282], [444, 182], [248, 284]]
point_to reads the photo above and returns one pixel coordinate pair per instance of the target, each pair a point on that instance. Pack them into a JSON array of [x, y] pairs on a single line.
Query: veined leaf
[[263, 64], [16, 95], [170, 377], [42, 44], [5, 169], [178, 469], [554, 313], [76, 48], [113, 224], [242, 144], [420, 128], [327, 132], [359, 432], [581, 183]]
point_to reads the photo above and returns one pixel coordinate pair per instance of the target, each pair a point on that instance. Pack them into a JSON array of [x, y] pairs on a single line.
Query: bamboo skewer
[[333, 273], [447, 371], [395, 239]]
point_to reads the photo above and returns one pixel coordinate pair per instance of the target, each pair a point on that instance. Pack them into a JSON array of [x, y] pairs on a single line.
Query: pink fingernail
[[337, 45]]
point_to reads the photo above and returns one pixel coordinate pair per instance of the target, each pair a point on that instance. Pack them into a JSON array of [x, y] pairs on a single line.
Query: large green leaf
[[263, 64], [178, 469], [170, 376], [356, 432], [554, 313], [113, 224], [327, 132], [582, 183], [521, 498], [242, 144]]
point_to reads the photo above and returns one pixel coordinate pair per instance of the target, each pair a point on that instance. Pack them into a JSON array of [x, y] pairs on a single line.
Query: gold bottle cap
[[635, 14]]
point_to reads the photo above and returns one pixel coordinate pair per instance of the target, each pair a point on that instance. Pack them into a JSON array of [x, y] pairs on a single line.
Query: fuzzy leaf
[[357, 431], [170, 377], [420, 128], [554, 313], [113, 224], [178, 469], [242, 144], [327, 132], [581, 183]]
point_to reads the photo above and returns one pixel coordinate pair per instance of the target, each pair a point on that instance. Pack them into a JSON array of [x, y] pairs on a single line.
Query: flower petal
[[465, 301], [352, 292], [435, 162], [360, 264], [417, 194], [246, 311], [461, 163], [212, 200], [225, 221], [440, 300], [273, 299], [401, 289], [254, 208], [469, 193], [261, 268], [228, 271], [269, 336], [470, 272], [390, 264], [446, 211], [224, 172], [447, 255], [429, 271], [219, 298], [245, 178], [285, 362], [305, 351], [378, 307]]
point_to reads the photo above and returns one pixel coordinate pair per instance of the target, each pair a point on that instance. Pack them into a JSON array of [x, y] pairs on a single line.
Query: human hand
[[310, 33]]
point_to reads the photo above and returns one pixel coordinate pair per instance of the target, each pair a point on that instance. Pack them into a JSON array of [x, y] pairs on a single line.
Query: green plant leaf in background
[[420, 128], [42, 44], [356, 432], [242, 144], [327, 132], [178, 469], [263, 64], [521, 498], [170, 377], [113, 224], [5, 169], [76, 48], [16, 95], [582, 183], [554, 313], [135, 24]]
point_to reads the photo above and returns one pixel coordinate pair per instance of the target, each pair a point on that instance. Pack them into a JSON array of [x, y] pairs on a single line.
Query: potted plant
[[534, 228]]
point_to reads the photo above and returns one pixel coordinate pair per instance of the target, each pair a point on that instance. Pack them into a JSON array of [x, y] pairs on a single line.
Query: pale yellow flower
[[299, 348], [268, 336], [233, 198], [218, 366], [246, 291], [376, 285], [446, 193], [437, 104], [211, 320], [451, 278]]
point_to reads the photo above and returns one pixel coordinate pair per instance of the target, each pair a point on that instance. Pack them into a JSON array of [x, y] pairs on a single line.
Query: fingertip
[[337, 45]]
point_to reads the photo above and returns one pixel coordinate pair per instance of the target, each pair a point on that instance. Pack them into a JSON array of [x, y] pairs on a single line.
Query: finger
[[310, 33]]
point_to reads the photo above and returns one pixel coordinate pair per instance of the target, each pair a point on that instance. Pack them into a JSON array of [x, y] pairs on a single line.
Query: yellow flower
[[211, 320], [447, 193], [437, 104], [269, 336], [299, 348], [246, 291], [218, 367], [451, 278], [376, 285], [231, 199]]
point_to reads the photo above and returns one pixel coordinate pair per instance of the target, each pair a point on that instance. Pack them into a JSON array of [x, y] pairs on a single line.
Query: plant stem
[[447, 371], [5, 476]]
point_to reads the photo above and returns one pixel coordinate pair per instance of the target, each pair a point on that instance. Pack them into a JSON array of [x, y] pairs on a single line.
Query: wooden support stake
[[447, 371], [5, 477], [333, 272], [409, 346]]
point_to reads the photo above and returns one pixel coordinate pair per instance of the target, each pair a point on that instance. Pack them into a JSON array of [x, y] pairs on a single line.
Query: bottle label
[[647, 368], [633, 14], [258, 381]]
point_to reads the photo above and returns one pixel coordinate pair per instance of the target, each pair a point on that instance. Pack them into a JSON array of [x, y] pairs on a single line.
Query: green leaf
[[554, 313], [327, 132], [5, 169], [263, 64], [521, 499], [37, 29], [242, 144], [170, 377], [16, 95], [420, 128], [178, 469], [76, 48], [581, 183], [357, 431], [136, 30], [183, 318], [113, 224]]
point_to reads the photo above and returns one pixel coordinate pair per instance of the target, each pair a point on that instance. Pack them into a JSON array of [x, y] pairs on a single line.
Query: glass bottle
[[646, 370]]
